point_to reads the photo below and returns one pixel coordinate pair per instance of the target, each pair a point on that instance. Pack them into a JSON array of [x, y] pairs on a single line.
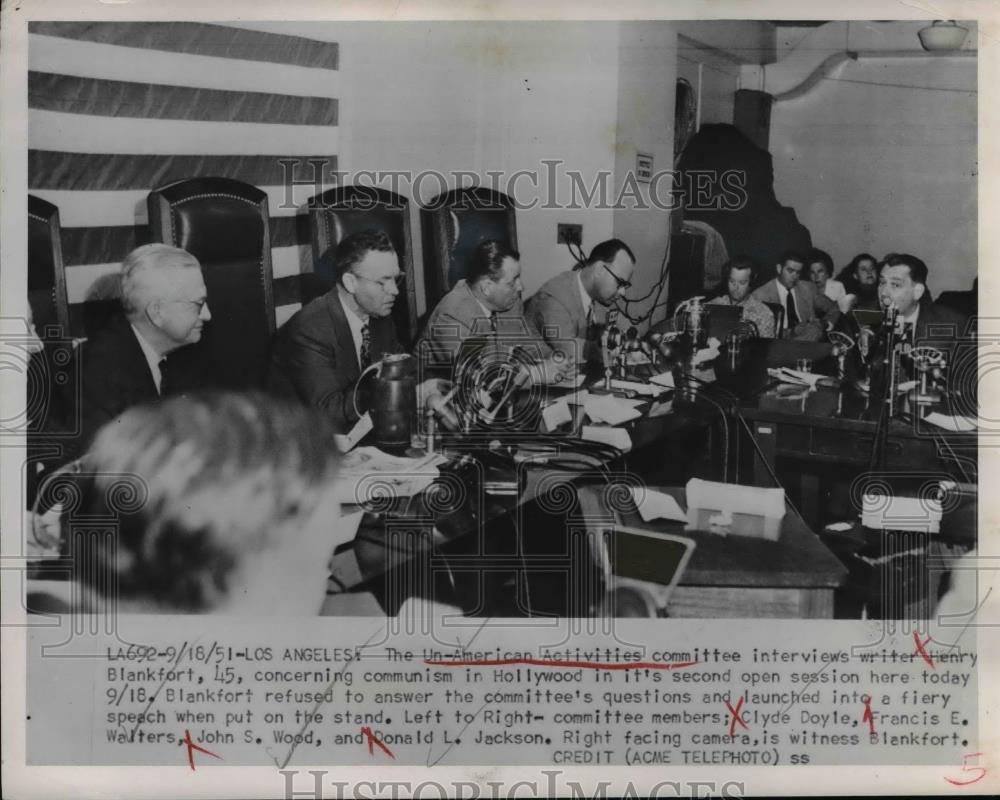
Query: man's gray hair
[[137, 291]]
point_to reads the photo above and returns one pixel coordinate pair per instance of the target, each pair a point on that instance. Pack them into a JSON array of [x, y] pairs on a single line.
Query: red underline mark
[[920, 648], [192, 746], [374, 740], [544, 662], [736, 717], [868, 716]]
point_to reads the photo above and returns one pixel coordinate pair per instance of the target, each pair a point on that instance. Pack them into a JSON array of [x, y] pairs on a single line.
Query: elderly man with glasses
[[145, 354], [564, 307]]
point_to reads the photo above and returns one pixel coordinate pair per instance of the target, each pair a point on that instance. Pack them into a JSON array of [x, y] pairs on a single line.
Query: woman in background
[[821, 272]]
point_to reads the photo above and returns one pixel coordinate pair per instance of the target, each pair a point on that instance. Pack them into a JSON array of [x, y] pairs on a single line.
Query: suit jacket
[[935, 324], [115, 376], [557, 311], [459, 316], [810, 304], [313, 357]]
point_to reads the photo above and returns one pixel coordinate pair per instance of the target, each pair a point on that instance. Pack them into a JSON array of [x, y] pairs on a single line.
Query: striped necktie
[[365, 353]]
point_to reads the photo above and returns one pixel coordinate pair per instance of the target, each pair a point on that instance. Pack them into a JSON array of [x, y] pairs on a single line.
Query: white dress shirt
[[356, 321], [152, 358], [783, 296]]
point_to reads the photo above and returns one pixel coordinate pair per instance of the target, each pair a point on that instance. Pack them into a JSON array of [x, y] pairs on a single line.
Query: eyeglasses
[[198, 304], [385, 283], [622, 283]]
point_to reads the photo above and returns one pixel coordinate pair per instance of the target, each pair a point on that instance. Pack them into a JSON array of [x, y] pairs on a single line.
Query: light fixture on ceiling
[[943, 35]]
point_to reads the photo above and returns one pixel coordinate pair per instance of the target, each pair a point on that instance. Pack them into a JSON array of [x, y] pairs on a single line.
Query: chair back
[[224, 224], [46, 271], [345, 210], [454, 223]]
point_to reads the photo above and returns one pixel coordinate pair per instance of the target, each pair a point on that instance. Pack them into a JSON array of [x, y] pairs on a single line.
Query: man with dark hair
[[808, 314], [563, 309], [144, 354], [903, 284], [320, 353], [487, 303], [739, 275]]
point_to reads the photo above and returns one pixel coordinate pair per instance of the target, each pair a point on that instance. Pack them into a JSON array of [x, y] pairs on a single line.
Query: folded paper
[[652, 504], [616, 437]]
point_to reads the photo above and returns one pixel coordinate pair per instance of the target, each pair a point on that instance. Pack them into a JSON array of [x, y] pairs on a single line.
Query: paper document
[[664, 379], [735, 498], [368, 474], [556, 414], [951, 423], [345, 442], [610, 409], [656, 505], [885, 512], [616, 437]]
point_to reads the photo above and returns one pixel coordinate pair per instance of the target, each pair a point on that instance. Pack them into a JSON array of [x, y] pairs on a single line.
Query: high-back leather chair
[[46, 271], [345, 210], [224, 224], [453, 224]]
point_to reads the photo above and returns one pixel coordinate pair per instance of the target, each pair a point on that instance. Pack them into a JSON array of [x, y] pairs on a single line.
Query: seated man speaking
[[808, 314], [487, 303], [320, 353], [563, 309]]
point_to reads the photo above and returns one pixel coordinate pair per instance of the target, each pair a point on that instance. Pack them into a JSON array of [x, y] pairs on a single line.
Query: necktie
[[365, 354], [493, 321], [791, 318], [164, 382]]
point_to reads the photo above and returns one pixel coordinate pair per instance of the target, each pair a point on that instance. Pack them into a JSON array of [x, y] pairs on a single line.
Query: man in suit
[[320, 353], [144, 354], [903, 284], [487, 303], [808, 314], [563, 309]]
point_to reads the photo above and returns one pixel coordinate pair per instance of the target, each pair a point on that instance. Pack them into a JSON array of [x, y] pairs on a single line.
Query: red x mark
[[374, 740], [736, 717], [868, 716], [192, 746], [920, 648]]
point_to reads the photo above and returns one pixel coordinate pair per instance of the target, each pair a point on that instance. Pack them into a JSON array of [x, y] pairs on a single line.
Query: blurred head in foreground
[[223, 504]]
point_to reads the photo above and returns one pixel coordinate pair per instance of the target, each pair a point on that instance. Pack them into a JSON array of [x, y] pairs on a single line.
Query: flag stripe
[[89, 282], [52, 130], [56, 169], [197, 38], [75, 95], [108, 244], [81, 209], [89, 60]]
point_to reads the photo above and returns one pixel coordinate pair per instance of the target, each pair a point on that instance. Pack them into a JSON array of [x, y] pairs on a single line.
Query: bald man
[[144, 354]]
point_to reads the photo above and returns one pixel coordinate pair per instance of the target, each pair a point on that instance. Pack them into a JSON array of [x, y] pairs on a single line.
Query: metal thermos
[[394, 405]]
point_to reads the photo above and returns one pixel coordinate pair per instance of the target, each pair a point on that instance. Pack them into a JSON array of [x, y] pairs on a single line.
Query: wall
[[503, 96], [646, 84], [881, 168]]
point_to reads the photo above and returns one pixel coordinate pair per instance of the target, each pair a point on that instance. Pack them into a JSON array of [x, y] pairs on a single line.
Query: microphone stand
[[892, 344]]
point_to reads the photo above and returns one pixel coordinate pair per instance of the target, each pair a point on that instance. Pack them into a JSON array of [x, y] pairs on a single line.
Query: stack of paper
[[735, 498], [884, 512]]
